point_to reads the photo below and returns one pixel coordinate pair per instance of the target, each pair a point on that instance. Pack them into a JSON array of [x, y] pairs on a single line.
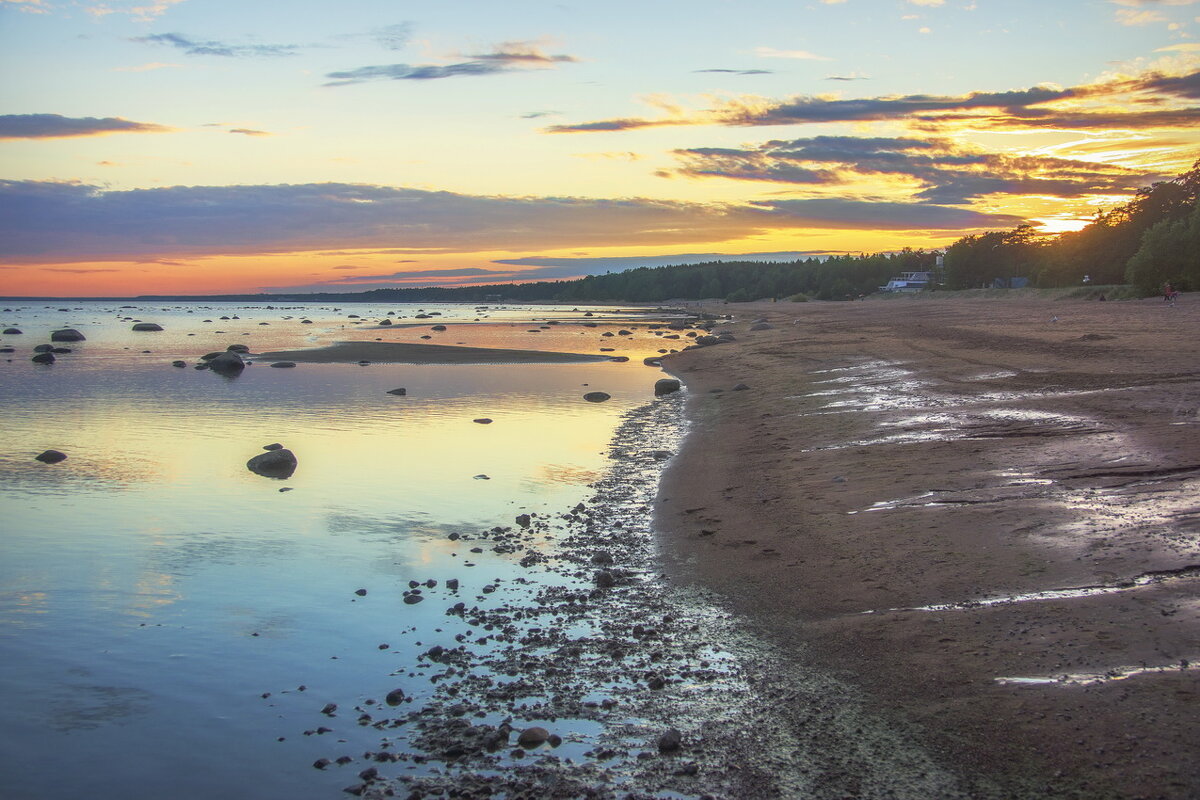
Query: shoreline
[[406, 353], [952, 453]]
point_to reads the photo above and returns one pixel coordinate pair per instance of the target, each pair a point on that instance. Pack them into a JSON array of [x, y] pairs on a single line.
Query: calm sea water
[[152, 588]]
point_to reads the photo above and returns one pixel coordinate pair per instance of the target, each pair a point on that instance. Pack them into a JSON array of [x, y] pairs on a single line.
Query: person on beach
[[1170, 293]]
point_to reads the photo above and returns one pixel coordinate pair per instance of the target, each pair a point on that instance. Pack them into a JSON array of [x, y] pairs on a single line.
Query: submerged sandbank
[[405, 353]]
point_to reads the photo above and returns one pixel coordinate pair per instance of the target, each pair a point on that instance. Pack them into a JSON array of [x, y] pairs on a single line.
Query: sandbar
[[407, 353]]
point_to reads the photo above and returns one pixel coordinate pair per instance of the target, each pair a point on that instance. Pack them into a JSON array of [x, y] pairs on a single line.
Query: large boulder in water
[[51, 457], [273, 464], [597, 397], [666, 386], [67, 335], [43, 358], [238, 348], [227, 363], [147, 326]]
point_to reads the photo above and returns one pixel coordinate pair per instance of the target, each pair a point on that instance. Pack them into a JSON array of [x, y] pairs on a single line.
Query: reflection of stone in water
[[90, 707]]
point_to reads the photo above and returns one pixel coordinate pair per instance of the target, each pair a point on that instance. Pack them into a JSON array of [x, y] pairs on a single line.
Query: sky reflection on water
[[151, 587]]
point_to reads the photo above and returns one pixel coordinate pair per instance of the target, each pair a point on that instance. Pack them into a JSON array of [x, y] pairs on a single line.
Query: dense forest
[[1149, 241]]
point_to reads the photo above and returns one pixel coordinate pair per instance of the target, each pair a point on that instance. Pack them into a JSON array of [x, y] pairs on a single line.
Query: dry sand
[[895, 454], [404, 353]]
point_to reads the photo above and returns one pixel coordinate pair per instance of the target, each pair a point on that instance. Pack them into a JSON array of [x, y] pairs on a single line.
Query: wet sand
[[903, 477], [403, 353]]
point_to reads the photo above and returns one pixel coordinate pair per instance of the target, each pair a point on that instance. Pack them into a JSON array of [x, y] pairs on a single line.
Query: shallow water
[[152, 588]]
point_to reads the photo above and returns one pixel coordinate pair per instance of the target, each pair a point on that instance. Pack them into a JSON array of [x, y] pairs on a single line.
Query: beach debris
[[43, 358], [51, 457], [147, 326], [666, 386], [273, 464], [401, 392], [597, 397], [227, 363], [283, 364], [67, 335]]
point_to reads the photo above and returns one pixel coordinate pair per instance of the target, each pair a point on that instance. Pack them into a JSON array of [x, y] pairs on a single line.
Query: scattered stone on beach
[[273, 464], [51, 457], [178, 363], [523, 520], [227, 363], [395, 697], [605, 579], [741, 387], [67, 335], [533, 737], [385, 322], [43, 358], [147, 326], [283, 364], [401, 392], [438, 328], [597, 397], [12, 331], [237, 348], [482, 421], [670, 741], [666, 386]]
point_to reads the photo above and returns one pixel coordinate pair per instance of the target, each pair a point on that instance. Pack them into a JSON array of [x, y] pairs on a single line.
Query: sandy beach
[[982, 513]]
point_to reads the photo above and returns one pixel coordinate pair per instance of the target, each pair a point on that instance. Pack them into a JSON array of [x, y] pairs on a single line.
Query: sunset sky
[[211, 146]]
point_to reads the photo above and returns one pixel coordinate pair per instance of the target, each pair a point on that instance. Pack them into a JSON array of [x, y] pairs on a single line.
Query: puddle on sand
[[1108, 676]]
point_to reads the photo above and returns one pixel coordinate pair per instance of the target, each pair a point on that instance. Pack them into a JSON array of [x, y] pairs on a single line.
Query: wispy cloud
[[739, 71], [507, 57], [29, 6], [97, 225], [56, 126], [195, 47], [143, 12], [1119, 103], [802, 55], [945, 172], [249, 132]]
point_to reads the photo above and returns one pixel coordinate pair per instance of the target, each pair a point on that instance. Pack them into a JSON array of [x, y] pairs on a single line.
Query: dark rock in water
[[51, 457], [597, 397], [413, 599], [237, 348], [621, 359], [12, 331], [8, 350], [178, 363], [283, 364], [401, 391], [670, 741], [602, 558], [666, 386], [385, 322], [210, 356], [200, 366], [60, 350], [273, 464], [273, 446], [452, 584], [438, 328], [306, 322], [227, 363], [532, 737], [329, 709], [605, 579], [523, 520], [483, 421], [361, 592], [652, 361], [67, 335], [147, 326], [43, 348], [322, 763], [395, 697], [43, 358]]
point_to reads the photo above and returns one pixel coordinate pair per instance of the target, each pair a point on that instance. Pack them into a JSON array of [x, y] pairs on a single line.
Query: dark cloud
[[949, 173], [508, 57], [1022, 108], [739, 71], [597, 265], [193, 47], [42, 221], [56, 126], [878, 215]]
